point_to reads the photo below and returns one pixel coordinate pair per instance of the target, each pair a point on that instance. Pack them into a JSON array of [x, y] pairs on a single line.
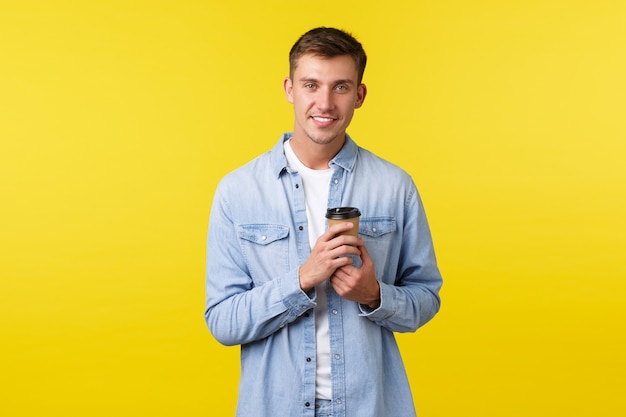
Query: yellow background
[[118, 118]]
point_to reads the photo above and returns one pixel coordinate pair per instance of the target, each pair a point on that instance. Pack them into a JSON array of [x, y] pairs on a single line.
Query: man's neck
[[313, 155]]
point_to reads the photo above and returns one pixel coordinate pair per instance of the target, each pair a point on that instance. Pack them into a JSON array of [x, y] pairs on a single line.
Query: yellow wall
[[118, 118]]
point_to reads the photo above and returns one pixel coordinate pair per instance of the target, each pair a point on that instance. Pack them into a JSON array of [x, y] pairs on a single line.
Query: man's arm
[[411, 298], [238, 311]]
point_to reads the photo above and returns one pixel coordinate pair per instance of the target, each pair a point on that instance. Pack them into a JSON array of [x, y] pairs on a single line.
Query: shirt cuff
[[386, 307], [295, 299]]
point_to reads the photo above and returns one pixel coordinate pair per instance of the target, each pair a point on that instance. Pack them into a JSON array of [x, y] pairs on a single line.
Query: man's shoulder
[[255, 168], [268, 163], [383, 167]]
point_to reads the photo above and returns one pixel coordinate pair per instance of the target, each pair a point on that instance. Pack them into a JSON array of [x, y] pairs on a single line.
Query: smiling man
[[315, 310]]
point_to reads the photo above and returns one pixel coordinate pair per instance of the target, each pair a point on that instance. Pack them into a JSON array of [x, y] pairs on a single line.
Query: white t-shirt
[[316, 183]]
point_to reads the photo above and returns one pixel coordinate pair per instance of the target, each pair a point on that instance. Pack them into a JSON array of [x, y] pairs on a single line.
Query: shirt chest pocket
[[378, 233], [376, 227], [265, 248]]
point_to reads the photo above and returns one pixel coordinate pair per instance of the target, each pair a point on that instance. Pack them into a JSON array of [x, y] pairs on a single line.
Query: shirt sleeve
[[410, 299], [238, 311]]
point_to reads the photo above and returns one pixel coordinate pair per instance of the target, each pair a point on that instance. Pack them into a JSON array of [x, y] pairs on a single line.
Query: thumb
[[365, 255]]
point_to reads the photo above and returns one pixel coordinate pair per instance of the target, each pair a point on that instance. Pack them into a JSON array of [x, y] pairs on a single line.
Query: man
[[314, 311]]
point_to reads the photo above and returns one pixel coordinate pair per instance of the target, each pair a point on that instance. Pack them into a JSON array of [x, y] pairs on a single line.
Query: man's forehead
[[341, 66]]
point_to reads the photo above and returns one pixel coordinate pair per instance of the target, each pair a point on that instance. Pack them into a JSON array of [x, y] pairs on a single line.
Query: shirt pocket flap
[[262, 234], [376, 226]]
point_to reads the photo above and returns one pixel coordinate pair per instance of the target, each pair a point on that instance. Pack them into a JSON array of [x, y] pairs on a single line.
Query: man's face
[[324, 93]]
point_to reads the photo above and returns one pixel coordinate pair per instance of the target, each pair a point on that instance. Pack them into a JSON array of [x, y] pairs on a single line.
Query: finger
[[365, 255], [337, 283], [342, 251], [347, 240], [339, 228], [364, 252], [343, 271], [341, 262]]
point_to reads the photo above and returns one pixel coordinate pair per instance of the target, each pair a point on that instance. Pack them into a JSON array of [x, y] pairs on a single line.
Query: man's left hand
[[358, 284]]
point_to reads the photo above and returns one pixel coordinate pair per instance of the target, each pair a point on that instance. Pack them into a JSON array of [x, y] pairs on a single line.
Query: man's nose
[[325, 99]]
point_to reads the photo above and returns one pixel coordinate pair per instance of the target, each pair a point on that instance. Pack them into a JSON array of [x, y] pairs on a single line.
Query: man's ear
[[361, 92], [288, 87]]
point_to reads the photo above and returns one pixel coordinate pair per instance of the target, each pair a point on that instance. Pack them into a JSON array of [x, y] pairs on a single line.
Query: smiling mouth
[[324, 119]]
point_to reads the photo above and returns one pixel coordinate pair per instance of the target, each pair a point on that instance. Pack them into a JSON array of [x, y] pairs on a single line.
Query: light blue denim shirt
[[257, 241]]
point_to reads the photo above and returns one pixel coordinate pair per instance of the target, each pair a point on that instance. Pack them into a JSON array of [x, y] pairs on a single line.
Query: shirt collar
[[346, 158]]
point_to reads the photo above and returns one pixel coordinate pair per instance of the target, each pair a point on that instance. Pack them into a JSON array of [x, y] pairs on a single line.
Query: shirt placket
[[335, 318], [304, 250]]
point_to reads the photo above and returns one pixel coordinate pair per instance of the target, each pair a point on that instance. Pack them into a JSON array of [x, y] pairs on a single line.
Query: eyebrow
[[314, 80]]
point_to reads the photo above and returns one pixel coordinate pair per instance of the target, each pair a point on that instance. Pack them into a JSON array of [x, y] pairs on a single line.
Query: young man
[[314, 311]]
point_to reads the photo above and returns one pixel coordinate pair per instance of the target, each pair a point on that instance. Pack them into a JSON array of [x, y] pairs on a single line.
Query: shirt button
[[338, 401], [308, 359], [373, 229], [336, 181], [307, 404], [334, 311], [300, 228], [297, 185], [337, 356], [263, 237]]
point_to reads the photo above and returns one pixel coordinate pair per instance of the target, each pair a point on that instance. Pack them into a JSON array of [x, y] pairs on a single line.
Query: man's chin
[[323, 139]]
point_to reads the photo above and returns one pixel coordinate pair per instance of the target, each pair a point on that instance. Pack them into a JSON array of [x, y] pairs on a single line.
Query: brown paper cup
[[344, 214]]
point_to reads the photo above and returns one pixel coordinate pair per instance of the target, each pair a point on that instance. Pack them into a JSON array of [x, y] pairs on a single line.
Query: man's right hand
[[328, 254]]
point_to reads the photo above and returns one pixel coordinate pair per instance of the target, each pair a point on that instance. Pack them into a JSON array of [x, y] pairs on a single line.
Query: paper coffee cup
[[344, 214]]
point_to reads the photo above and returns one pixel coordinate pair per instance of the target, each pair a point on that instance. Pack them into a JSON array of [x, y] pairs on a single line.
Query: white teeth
[[323, 119]]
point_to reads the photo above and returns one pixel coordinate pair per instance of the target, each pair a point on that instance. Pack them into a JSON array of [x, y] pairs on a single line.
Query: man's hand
[[328, 254], [358, 284]]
